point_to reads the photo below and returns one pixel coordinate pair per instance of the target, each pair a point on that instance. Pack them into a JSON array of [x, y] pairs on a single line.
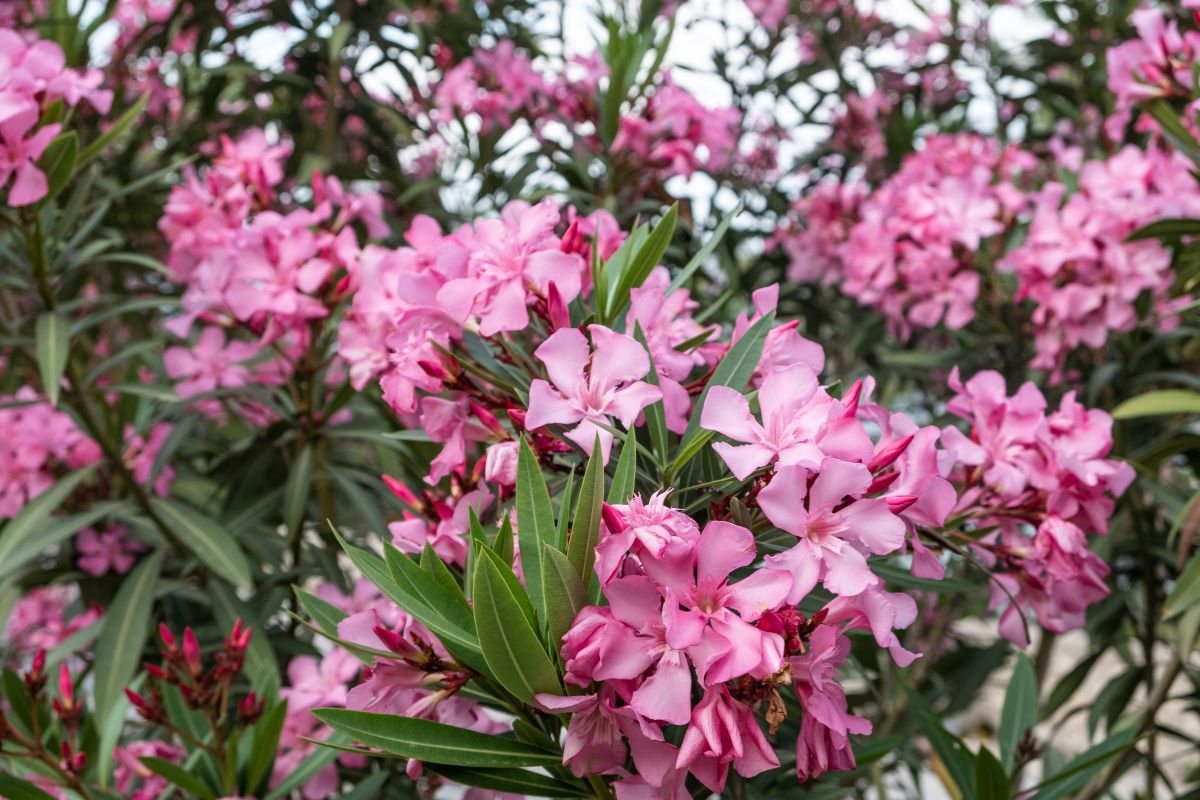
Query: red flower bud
[[900, 502], [889, 454]]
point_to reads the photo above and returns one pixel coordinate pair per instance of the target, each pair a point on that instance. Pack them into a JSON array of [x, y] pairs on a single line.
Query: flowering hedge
[[400, 401]]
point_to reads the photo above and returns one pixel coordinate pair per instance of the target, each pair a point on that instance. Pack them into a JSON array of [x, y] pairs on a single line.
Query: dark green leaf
[[507, 636], [266, 743], [53, 347], [126, 625], [566, 595], [207, 539], [535, 522], [13, 788], [295, 491], [1020, 708], [433, 742], [585, 527], [991, 781], [625, 477], [179, 777], [519, 782]]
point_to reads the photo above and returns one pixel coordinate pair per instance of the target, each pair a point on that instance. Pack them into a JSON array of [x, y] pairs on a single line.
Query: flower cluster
[[911, 254], [33, 75], [1159, 63], [1040, 484], [677, 619], [1075, 264], [37, 444], [43, 618]]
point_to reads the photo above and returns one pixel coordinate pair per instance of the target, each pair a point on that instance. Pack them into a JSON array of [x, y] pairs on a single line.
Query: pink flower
[[141, 453], [648, 528], [710, 617], [724, 730], [833, 534], [106, 551], [589, 388], [511, 258], [209, 364], [19, 152]]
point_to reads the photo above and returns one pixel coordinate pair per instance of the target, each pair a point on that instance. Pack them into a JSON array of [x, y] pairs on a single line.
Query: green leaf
[[206, 539], [991, 780], [1159, 403], [949, 748], [53, 343], [1186, 592], [566, 595], [459, 638], [326, 615], [1020, 708], [266, 743], [535, 522], [734, 371], [444, 599], [639, 267], [23, 530], [656, 418], [1112, 700], [58, 163], [13, 788], [123, 124], [21, 551], [295, 491], [1071, 682], [625, 477], [127, 623], [510, 644], [705, 251], [585, 527], [520, 782], [1067, 781], [179, 777], [1166, 229], [433, 742], [1173, 128]]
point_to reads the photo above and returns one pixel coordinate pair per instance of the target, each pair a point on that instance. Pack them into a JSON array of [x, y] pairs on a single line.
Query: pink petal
[[763, 591], [629, 401], [722, 548], [667, 694], [874, 525], [783, 500], [548, 407], [836, 480], [728, 413], [565, 354], [618, 359], [744, 459]]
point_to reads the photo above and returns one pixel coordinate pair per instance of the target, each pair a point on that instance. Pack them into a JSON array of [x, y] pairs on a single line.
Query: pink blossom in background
[[1075, 265], [32, 74], [37, 443], [45, 617], [106, 550]]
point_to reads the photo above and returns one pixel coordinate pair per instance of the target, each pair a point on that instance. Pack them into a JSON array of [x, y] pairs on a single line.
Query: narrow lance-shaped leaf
[[519, 782], [1020, 709], [53, 347], [126, 625], [566, 595], [434, 742], [535, 522], [625, 477], [295, 493], [585, 527], [207, 539], [511, 647], [23, 529]]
